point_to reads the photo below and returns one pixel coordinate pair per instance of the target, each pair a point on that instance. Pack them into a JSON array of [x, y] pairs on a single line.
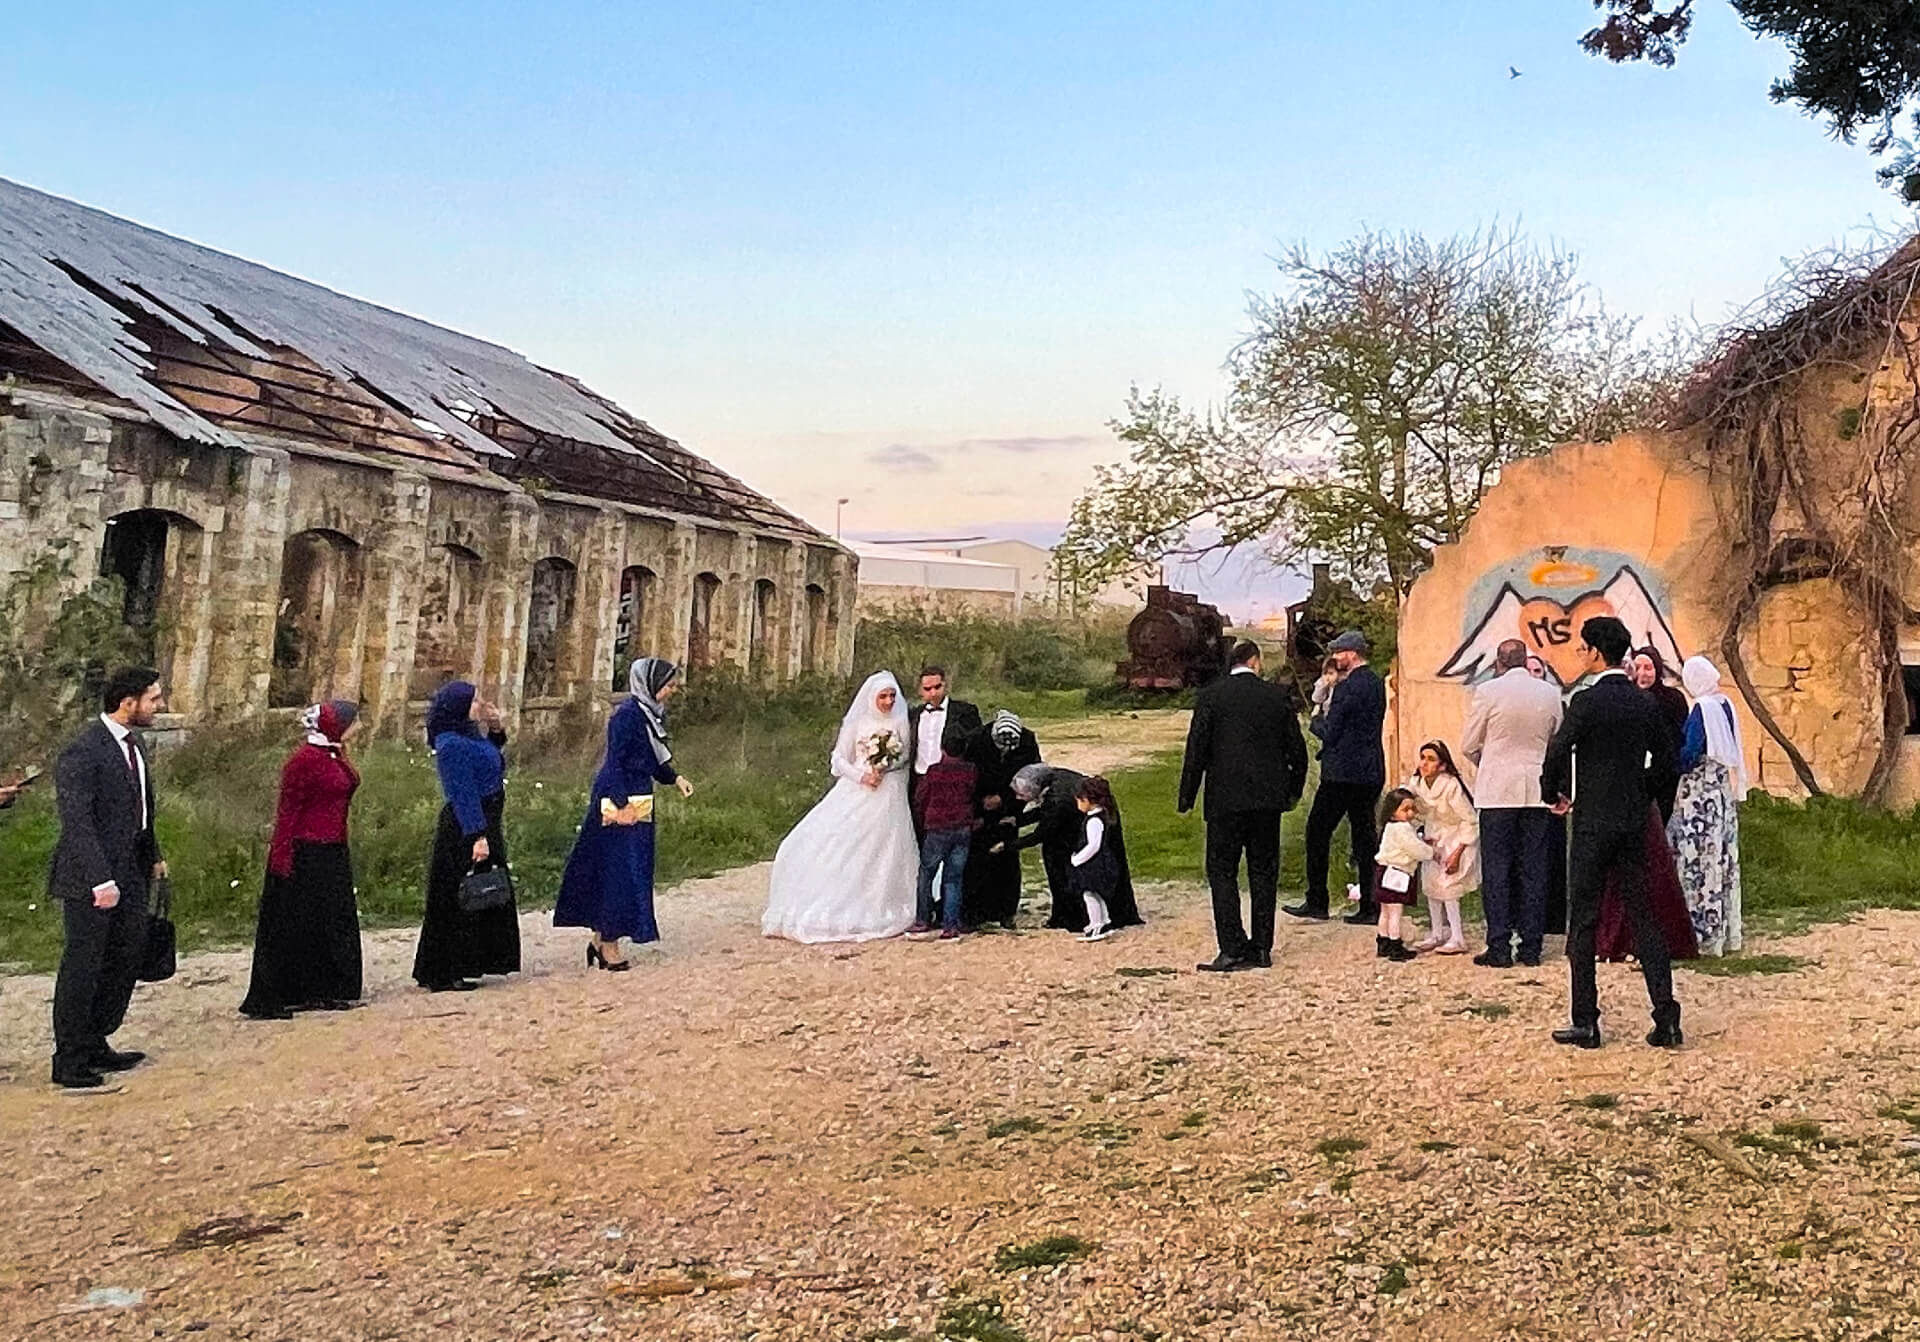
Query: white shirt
[[1096, 831], [1243, 671], [926, 741], [120, 735]]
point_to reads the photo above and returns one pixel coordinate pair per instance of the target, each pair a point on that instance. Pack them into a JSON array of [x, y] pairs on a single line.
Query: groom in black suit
[[1607, 763], [1245, 743], [103, 862], [928, 722]]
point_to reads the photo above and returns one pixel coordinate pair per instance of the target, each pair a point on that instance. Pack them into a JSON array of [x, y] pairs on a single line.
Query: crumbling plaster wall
[[68, 467]]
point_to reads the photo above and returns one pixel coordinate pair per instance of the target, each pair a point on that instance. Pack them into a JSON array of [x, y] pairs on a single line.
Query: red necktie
[[133, 770]]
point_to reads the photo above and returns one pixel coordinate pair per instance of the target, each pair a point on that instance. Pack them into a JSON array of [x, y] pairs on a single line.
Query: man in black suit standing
[[104, 860], [1353, 771], [927, 723], [1244, 742], [1607, 763]]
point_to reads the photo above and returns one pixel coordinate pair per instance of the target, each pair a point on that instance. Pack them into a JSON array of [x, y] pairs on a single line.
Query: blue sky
[[910, 255]]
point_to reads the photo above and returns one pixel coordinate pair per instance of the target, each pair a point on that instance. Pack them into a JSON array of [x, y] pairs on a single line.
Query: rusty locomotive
[[1177, 642]]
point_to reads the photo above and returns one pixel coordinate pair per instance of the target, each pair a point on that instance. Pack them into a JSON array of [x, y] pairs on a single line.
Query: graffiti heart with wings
[[1550, 628]]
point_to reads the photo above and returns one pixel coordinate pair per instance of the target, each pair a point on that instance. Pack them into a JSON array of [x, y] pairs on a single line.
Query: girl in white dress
[[846, 872], [1453, 829]]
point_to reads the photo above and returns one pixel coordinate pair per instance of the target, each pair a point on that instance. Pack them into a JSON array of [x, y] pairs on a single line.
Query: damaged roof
[[100, 294]]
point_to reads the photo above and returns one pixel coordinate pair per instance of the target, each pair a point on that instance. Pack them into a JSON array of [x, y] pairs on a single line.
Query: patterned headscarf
[[452, 711], [326, 724], [645, 679], [1005, 730]]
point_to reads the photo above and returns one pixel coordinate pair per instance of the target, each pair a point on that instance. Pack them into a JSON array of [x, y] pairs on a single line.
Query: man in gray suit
[[103, 863], [1512, 719]]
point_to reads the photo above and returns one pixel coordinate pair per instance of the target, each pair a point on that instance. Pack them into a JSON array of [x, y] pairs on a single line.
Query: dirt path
[[751, 1139]]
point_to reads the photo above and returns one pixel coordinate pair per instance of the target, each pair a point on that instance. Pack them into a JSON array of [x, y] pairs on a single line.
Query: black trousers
[[1333, 803], [97, 971], [1257, 834], [1591, 859], [1516, 873]]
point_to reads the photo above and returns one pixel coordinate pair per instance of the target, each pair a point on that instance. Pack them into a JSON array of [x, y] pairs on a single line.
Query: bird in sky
[[1512, 73]]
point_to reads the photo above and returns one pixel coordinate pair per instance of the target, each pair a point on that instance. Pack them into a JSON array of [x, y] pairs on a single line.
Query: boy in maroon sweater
[[943, 809]]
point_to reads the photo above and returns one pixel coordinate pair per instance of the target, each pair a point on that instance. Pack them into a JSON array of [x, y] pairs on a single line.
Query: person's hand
[[106, 896], [481, 850], [990, 802], [8, 791], [871, 778], [685, 785], [488, 712], [160, 871], [1561, 807], [1453, 863], [1010, 822], [998, 848]]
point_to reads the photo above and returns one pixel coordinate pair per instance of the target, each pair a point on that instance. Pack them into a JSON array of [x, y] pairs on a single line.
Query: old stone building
[[1774, 526], [306, 495]]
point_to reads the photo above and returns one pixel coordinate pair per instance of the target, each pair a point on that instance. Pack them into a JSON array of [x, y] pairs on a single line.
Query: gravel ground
[[751, 1139]]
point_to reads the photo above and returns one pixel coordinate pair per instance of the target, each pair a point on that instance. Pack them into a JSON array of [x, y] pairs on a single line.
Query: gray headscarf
[[1032, 780], [1005, 730], [645, 679]]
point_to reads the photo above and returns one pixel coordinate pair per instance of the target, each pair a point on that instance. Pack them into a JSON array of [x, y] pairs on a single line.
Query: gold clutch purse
[[642, 804]]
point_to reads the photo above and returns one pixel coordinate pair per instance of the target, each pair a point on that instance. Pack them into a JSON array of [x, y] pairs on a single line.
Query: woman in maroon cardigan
[[306, 949]]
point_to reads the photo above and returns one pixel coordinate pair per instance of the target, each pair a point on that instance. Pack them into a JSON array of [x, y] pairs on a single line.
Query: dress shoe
[[1492, 959], [1224, 964], [108, 1060], [1666, 1036], [1306, 911], [1530, 959], [1362, 917], [78, 1078], [266, 1013], [1260, 960], [1578, 1036]]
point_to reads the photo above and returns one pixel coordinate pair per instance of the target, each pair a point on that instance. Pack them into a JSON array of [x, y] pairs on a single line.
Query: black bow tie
[[935, 708]]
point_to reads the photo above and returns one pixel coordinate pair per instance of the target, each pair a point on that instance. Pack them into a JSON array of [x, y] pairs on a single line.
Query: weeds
[[976, 1320], [1728, 966], [1007, 1127], [1339, 1148], [1049, 1252]]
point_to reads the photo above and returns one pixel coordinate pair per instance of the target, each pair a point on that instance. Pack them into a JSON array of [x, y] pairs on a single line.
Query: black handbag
[[157, 958], [483, 890]]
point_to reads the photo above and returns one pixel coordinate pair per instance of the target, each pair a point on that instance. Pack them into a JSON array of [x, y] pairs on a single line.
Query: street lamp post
[[838, 504]]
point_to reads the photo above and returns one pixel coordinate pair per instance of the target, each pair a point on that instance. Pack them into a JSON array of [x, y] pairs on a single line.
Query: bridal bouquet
[[881, 751]]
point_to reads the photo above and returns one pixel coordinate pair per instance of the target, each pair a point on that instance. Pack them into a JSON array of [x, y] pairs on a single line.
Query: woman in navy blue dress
[[458, 946], [608, 885]]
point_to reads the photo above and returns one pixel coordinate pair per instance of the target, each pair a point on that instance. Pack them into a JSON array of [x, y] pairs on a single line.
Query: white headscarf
[[1702, 679], [863, 717], [645, 679]]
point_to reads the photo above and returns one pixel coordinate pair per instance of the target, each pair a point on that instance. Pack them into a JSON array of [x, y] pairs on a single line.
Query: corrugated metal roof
[[73, 279]]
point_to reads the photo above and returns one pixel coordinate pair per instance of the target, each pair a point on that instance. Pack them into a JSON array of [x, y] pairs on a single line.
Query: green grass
[[1049, 1252], [1824, 860], [1728, 966], [976, 1320], [1339, 1148], [1007, 1127], [1163, 845]]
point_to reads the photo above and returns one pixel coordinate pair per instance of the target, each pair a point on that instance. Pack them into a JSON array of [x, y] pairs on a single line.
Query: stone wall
[[288, 572], [937, 602], [1629, 528]]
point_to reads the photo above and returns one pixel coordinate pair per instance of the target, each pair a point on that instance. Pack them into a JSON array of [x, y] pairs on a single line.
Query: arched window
[[700, 647], [315, 631], [450, 641], [144, 553], [549, 628], [636, 594], [813, 634], [760, 637]]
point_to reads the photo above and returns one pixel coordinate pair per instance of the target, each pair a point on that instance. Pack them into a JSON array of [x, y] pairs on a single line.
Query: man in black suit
[[102, 864], [927, 723], [1353, 771], [1245, 743], [1607, 763]]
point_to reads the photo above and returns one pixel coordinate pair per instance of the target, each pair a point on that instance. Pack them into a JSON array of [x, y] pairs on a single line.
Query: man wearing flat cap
[[1353, 770]]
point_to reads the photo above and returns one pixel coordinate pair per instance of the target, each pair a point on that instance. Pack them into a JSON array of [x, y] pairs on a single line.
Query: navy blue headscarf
[[451, 711]]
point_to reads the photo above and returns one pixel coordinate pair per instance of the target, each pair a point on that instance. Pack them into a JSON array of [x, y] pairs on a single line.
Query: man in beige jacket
[[1512, 718]]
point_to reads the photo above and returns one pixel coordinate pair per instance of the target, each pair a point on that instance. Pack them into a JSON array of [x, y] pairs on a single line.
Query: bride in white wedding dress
[[846, 872]]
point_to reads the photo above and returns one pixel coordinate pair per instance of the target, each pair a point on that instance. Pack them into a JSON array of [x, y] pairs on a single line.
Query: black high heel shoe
[[596, 959]]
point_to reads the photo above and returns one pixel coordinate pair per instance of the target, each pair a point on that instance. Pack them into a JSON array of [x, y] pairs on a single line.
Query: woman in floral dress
[[1705, 829]]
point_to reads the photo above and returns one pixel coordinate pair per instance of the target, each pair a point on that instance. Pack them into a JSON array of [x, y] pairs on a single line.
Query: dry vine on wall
[[1812, 488]]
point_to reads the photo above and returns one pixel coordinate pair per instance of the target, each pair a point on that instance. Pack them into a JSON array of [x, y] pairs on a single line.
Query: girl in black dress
[[1098, 873]]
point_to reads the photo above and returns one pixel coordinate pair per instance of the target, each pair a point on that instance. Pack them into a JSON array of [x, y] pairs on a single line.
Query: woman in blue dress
[[457, 945], [608, 885]]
